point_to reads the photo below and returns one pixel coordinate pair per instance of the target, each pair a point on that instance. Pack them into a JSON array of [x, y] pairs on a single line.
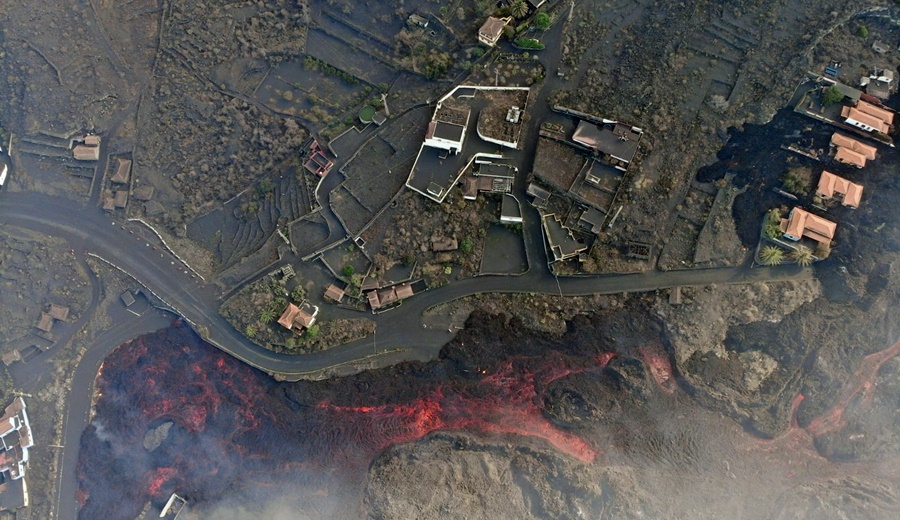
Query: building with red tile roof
[[831, 186], [801, 223], [869, 117], [297, 318]]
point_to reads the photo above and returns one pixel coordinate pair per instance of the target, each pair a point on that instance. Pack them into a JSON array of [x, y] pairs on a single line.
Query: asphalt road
[[400, 334], [78, 405]]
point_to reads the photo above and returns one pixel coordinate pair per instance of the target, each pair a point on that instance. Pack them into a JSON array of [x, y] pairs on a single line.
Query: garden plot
[[312, 90]]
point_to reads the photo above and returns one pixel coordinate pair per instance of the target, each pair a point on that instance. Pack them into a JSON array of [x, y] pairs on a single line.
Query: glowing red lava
[[233, 424], [861, 382], [504, 402]]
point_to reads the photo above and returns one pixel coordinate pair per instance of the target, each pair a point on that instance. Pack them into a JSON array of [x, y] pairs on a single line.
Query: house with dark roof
[[510, 210], [123, 171], [617, 141], [562, 242]]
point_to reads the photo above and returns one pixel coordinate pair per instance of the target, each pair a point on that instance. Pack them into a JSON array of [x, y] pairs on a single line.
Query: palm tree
[[803, 256], [266, 316], [518, 8], [771, 255]]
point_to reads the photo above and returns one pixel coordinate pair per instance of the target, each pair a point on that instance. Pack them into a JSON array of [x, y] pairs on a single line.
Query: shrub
[[542, 20], [529, 43], [466, 246], [312, 331], [349, 270]]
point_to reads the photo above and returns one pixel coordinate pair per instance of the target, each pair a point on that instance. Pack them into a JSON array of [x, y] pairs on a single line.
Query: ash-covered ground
[[508, 423]]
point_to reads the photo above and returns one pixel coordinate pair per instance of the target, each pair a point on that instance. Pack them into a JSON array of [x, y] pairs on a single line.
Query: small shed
[[58, 312], [334, 293], [45, 323], [11, 357], [121, 199], [127, 298]]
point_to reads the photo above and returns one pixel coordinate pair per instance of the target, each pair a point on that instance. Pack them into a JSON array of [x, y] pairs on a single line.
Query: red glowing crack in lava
[[504, 402], [862, 381]]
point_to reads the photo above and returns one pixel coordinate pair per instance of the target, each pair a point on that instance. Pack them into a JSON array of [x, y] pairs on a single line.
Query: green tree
[[771, 255], [312, 331], [802, 255], [542, 20], [832, 95], [518, 8], [298, 293], [466, 245], [862, 31], [349, 270]]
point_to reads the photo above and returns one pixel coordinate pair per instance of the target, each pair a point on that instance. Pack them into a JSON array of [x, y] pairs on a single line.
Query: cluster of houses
[[857, 111], [586, 164], [15, 441], [849, 108]]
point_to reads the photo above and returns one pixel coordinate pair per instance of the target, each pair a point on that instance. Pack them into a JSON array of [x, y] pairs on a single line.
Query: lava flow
[[862, 382], [506, 401], [231, 425]]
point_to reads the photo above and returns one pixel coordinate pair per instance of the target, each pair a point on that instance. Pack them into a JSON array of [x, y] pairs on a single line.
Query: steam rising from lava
[[234, 425]]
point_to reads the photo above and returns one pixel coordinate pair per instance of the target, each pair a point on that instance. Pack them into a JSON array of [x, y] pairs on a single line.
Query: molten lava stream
[[504, 402], [862, 380]]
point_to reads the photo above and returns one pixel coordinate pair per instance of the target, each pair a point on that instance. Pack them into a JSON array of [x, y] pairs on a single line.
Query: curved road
[[402, 336]]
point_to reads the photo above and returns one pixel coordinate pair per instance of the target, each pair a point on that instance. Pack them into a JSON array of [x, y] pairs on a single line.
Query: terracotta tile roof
[[8, 359], [287, 317], [307, 315], [848, 156], [404, 291], [875, 111], [86, 153], [866, 119], [829, 184], [294, 316], [803, 223], [867, 151], [334, 293]]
